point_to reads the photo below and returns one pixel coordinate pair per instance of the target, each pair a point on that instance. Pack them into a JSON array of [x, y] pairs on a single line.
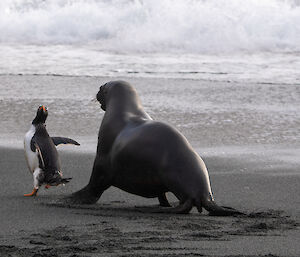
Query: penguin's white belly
[[31, 157]]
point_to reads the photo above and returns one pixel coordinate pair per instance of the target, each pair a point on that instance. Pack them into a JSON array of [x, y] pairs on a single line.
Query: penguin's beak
[[44, 108]]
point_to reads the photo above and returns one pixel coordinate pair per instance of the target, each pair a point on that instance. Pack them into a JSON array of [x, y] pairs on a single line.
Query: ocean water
[[219, 40], [226, 73]]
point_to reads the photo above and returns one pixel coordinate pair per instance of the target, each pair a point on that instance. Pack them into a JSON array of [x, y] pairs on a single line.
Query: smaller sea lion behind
[[145, 157]]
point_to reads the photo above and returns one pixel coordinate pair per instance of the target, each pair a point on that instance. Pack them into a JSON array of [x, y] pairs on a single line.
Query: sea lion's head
[[119, 91]]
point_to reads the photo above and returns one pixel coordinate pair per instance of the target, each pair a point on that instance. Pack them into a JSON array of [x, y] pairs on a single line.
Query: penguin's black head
[[41, 115]]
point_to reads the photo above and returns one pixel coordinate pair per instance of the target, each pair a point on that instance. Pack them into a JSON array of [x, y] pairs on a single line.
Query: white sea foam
[[185, 26]]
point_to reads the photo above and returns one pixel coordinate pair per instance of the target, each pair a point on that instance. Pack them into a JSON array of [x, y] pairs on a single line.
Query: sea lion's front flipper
[[64, 140]]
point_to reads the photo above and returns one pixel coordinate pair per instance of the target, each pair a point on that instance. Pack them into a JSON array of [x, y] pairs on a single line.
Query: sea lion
[[145, 157]]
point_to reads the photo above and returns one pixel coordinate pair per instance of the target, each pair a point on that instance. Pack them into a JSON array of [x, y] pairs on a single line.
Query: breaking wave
[[184, 26]]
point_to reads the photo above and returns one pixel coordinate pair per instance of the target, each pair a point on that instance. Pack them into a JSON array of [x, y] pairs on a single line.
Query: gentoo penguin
[[41, 154]]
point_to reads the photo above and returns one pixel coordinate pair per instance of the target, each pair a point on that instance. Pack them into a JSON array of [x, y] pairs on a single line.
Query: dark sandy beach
[[115, 227], [247, 135]]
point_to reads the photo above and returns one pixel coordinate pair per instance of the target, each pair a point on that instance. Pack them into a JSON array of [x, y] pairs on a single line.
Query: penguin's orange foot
[[33, 193], [47, 186]]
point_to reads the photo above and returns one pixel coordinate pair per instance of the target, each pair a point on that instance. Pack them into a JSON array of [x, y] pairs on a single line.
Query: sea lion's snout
[[98, 96], [101, 97]]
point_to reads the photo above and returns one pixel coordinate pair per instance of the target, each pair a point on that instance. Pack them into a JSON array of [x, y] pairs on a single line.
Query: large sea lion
[[145, 157]]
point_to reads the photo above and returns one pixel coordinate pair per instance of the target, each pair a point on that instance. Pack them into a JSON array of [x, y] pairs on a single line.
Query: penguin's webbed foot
[[33, 193]]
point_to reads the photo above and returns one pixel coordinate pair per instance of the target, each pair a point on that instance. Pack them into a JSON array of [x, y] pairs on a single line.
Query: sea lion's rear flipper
[[64, 140], [216, 210], [182, 208]]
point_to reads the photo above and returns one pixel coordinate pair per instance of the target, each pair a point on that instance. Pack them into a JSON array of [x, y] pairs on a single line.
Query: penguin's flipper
[[40, 156], [33, 193], [32, 145], [64, 140]]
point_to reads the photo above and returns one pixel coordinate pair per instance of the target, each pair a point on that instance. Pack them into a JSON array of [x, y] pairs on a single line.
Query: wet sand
[[116, 227]]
